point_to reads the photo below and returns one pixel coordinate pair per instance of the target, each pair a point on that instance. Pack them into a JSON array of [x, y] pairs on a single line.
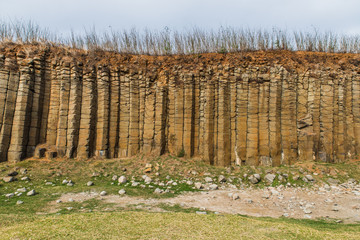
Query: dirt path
[[336, 203]]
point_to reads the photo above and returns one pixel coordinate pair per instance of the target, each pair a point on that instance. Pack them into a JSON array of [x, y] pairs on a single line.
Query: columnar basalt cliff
[[259, 108]]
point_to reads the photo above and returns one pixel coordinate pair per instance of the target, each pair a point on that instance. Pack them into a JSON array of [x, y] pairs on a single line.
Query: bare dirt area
[[338, 202]]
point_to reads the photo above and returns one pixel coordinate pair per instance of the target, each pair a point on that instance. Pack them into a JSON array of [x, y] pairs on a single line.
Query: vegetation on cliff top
[[193, 41]]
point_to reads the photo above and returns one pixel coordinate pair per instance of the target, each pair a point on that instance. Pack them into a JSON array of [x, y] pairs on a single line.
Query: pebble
[[31, 193], [221, 179], [103, 193], [8, 179], [158, 191], [122, 180], [19, 202], [213, 187], [235, 196], [270, 177], [208, 179], [198, 185], [122, 192], [25, 179], [90, 183], [9, 195]]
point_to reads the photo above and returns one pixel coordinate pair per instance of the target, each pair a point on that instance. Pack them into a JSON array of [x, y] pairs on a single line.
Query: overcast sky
[[341, 16]]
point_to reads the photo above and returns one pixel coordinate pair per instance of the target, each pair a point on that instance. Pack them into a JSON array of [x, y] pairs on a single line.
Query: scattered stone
[[208, 179], [309, 178], [122, 180], [23, 171], [70, 184], [253, 179], [58, 201], [31, 193], [257, 176], [25, 179], [296, 177], [248, 200], [194, 172], [96, 174], [21, 190], [213, 187], [8, 179], [221, 179], [270, 178], [19, 202], [189, 182], [114, 178], [286, 215], [148, 168], [198, 185], [13, 173], [90, 183], [333, 181], [48, 183], [307, 211], [9, 195], [103, 193], [135, 184], [69, 208], [65, 181], [147, 180], [158, 191], [122, 192], [71, 200], [235, 196]]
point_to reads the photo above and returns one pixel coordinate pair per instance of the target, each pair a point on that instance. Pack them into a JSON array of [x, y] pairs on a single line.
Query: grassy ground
[[143, 225], [94, 219]]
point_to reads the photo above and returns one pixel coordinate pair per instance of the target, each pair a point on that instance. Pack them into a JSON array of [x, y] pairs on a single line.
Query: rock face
[[246, 109]]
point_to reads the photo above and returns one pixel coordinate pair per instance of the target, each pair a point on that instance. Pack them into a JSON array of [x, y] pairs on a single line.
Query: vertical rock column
[[37, 106], [124, 115], [356, 111], [179, 113], [233, 114], [304, 119], [74, 110], [288, 118], [103, 105], [4, 80], [11, 68], [326, 120], [264, 91], [171, 137], [224, 154], [349, 119], [88, 114], [275, 116], [62, 127], [188, 114], [22, 115], [340, 134], [160, 117], [134, 137], [242, 116], [149, 119], [209, 119], [53, 117], [252, 138], [114, 112], [45, 89]]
